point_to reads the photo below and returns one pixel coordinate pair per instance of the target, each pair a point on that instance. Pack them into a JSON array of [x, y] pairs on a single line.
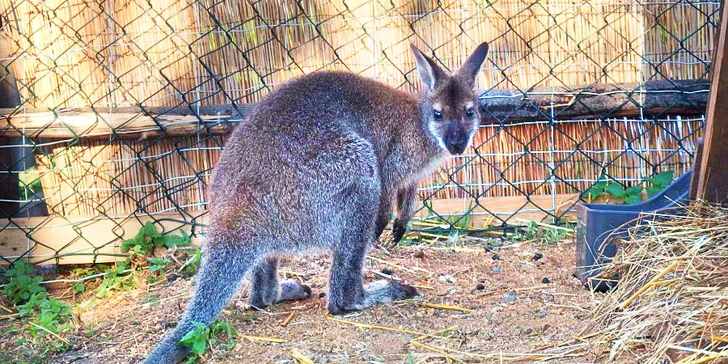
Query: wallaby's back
[[297, 149]]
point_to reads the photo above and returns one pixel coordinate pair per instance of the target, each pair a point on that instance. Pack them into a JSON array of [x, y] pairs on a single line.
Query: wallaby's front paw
[[399, 228]]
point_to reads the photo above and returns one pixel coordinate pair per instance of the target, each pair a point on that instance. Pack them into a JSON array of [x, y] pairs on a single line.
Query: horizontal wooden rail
[[96, 239], [651, 99]]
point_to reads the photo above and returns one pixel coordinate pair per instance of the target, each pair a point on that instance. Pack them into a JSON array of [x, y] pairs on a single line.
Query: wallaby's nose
[[456, 148], [457, 144]]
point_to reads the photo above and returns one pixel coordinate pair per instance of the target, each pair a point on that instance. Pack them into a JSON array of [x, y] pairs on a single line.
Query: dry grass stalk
[[300, 357], [263, 338], [671, 301], [446, 307]]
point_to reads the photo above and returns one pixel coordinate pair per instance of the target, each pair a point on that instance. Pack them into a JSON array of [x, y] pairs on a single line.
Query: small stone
[[448, 278], [496, 257], [166, 324], [171, 277], [545, 280], [537, 256], [387, 271], [508, 298], [480, 287], [542, 312], [496, 269], [420, 254], [525, 330]]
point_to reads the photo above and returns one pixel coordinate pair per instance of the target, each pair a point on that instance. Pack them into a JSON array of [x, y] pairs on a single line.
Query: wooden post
[[9, 156], [713, 180], [694, 180]]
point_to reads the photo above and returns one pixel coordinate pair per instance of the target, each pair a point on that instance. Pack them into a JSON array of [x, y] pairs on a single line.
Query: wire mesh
[[107, 119]]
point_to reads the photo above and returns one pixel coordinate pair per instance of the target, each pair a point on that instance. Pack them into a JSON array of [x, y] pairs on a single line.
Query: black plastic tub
[[599, 221]]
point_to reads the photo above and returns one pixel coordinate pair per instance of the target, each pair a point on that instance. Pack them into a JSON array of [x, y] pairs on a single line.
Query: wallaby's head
[[449, 103]]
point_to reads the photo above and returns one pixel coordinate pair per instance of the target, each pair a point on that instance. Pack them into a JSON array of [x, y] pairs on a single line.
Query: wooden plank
[[713, 182], [85, 240], [503, 208], [652, 99], [81, 240]]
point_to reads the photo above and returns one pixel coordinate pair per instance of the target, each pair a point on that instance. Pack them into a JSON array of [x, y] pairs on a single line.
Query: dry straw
[[671, 301]]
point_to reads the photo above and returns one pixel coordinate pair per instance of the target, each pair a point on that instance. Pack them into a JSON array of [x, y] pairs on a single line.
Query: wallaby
[[317, 165]]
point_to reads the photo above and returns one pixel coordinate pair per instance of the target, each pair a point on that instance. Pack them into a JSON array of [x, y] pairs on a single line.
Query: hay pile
[[671, 302]]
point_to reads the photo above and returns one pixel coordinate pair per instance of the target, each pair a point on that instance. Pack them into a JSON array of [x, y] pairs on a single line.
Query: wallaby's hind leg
[[265, 289], [346, 290], [222, 269]]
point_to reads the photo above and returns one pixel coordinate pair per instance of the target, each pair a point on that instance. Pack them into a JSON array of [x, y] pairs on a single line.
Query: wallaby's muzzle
[[456, 140]]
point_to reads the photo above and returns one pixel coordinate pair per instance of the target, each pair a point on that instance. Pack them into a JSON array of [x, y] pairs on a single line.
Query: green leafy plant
[[79, 287], [191, 266], [148, 239], [21, 285], [614, 192], [199, 338], [544, 234], [44, 313], [117, 278], [157, 268], [658, 182], [158, 264]]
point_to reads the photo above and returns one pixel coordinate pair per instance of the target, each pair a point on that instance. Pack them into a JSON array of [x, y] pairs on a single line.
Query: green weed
[[148, 239], [44, 314], [614, 192], [198, 339]]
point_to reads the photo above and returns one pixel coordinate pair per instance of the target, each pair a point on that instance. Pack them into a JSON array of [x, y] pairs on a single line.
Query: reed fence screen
[[115, 111]]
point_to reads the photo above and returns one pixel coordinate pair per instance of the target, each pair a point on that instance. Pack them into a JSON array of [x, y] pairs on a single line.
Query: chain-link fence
[[116, 110]]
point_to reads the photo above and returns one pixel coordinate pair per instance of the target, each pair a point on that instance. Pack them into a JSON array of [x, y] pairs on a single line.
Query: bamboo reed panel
[[580, 151], [120, 177], [77, 53]]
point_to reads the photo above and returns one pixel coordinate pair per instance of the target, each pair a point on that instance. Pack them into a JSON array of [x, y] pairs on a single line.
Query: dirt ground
[[510, 311]]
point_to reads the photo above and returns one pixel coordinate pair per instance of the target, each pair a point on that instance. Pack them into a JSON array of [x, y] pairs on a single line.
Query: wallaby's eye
[[469, 113], [437, 114]]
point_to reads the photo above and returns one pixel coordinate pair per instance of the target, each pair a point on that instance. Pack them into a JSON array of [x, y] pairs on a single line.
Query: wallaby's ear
[[430, 72], [471, 67]]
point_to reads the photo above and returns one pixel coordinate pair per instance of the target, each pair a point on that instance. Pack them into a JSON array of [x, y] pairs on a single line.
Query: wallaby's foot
[[375, 293], [398, 229], [289, 290]]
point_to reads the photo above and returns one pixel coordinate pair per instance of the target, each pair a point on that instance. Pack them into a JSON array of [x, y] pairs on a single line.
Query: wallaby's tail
[[223, 267]]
